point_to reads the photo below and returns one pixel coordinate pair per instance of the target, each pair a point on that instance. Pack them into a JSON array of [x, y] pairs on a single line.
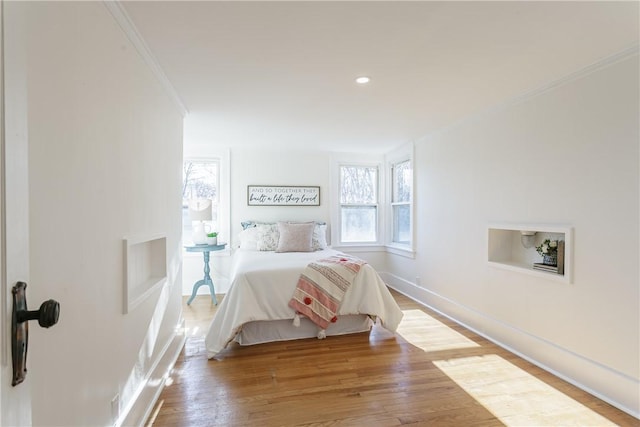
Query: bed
[[256, 309]]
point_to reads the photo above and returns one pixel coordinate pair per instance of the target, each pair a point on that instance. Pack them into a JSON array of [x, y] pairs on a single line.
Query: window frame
[[378, 204], [223, 205], [393, 159]]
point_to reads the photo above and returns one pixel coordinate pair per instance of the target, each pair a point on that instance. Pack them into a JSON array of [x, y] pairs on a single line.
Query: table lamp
[[199, 211]]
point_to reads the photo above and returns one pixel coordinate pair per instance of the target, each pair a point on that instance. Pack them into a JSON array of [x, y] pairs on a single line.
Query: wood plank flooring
[[432, 372]]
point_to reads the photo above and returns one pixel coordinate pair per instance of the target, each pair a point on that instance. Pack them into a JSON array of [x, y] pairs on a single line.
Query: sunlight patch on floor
[[429, 334], [516, 397]]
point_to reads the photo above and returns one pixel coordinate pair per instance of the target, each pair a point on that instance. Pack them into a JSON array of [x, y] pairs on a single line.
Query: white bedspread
[[262, 283]]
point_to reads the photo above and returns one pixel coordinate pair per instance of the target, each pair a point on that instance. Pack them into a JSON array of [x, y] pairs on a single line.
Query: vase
[[550, 259]]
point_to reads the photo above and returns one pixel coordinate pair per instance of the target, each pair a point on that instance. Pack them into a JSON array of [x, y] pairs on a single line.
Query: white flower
[[548, 248]]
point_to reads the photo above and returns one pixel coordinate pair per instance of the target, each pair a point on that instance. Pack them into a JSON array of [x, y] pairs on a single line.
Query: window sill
[[404, 251], [360, 248], [391, 249]]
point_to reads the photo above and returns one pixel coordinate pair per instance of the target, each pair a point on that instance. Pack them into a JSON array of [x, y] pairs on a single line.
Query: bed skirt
[[283, 330]]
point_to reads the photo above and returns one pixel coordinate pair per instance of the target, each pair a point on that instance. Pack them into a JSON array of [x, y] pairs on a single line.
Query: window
[[401, 191], [200, 180], [358, 204]]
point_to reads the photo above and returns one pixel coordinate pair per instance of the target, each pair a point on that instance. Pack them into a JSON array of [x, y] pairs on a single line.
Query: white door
[[15, 402]]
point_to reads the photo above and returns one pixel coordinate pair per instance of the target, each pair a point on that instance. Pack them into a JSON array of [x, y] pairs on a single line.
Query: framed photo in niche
[[283, 195]]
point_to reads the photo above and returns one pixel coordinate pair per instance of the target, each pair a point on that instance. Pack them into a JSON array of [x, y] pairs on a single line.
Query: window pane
[[358, 184], [402, 178], [359, 224], [402, 224], [200, 181]]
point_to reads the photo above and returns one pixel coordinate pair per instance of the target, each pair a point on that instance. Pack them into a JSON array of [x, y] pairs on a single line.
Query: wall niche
[[513, 247], [145, 268]]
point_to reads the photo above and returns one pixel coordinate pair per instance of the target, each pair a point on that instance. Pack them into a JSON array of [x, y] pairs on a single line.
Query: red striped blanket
[[321, 287]]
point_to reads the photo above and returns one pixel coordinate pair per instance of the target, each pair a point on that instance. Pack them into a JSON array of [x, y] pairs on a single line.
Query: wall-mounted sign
[[285, 195]]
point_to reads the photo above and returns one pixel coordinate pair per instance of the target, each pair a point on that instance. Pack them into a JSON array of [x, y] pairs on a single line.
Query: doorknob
[[47, 316]]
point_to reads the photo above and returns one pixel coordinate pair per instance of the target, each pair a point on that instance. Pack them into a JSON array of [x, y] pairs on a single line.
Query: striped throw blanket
[[321, 287]]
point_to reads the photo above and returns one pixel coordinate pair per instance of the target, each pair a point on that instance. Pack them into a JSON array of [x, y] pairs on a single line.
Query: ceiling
[[281, 74]]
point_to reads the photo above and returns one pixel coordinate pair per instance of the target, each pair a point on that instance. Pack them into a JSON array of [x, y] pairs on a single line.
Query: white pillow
[[249, 239], [295, 237]]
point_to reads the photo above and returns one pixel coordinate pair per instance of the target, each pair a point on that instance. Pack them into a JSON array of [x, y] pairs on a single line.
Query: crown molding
[[629, 52], [124, 21], [582, 72]]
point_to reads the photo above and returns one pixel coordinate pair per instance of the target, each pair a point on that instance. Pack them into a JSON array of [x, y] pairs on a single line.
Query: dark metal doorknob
[[47, 316]]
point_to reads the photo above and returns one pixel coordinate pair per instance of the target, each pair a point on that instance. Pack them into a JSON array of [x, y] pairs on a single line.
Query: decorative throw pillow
[[268, 236], [252, 224], [295, 237], [319, 239], [247, 224]]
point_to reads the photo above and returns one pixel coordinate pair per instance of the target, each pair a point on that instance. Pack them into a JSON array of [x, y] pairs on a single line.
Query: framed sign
[[284, 195]]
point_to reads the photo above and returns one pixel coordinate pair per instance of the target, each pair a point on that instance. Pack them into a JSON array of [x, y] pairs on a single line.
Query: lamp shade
[[200, 209]]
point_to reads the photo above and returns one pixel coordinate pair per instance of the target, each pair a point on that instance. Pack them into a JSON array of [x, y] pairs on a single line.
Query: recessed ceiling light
[[363, 80]]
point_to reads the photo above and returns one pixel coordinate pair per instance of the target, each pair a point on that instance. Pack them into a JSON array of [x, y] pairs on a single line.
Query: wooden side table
[[205, 249]]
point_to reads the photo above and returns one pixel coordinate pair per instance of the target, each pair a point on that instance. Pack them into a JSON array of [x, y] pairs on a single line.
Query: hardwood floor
[[432, 372]]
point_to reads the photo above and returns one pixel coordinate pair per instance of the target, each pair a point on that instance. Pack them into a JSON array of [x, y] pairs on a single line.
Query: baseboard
[[609, 385], [142, 404]]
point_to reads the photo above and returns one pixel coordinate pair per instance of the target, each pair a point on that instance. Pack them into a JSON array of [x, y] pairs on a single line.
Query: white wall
[[271, 167], [565, 155], [105, 163]]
